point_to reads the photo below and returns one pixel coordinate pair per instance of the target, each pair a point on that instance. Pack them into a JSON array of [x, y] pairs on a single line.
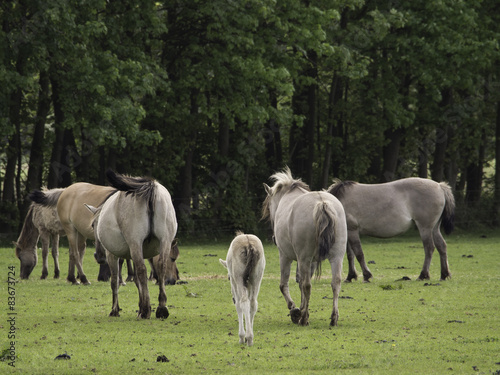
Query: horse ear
[[268, 189], [14, 243], [223, 262], [91, 208]]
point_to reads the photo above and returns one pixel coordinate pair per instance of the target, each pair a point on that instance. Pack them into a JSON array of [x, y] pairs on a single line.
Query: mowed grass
[[385, 326]]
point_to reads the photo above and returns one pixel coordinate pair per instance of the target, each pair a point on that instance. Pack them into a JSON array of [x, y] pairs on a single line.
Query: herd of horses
[[134, 219]]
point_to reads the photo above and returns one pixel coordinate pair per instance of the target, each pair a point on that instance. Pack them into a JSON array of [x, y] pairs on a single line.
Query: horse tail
[[448, 215], [324, 218], [46, 198], [142, 187], [251, 258]]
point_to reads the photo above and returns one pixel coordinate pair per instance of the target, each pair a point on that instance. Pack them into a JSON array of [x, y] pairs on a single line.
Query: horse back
[[71, 209]]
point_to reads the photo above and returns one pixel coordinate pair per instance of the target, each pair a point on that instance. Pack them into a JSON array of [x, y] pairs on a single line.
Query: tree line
[[212, 97]]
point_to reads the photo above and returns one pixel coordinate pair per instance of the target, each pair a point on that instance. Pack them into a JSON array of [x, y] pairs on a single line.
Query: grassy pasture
[[385, 326]]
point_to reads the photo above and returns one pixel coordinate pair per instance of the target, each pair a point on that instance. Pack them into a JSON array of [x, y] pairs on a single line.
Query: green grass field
[[385, 326]]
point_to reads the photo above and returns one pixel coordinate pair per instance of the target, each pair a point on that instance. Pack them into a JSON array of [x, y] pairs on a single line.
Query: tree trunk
[[334, 130], [475, 175], [497, 167], [437, 167], [272, 140], [60, 161], [305, 103], [34, 180], [9, 207], [391, 154]]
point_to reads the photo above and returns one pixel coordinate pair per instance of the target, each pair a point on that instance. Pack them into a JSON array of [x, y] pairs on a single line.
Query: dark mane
[[338, 188], [143, 187], [29, 232]]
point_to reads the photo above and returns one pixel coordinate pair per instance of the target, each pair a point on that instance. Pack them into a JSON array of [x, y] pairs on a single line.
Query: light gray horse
[[138, 222], [308, 226], [41, 223], [389, 209], [245, 263]]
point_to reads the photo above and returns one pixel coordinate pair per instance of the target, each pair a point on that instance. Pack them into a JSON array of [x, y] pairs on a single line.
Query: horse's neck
[[29, 232]]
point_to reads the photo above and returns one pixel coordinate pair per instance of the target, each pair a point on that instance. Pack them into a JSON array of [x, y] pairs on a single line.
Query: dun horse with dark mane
[[387, 210], [137, 222]]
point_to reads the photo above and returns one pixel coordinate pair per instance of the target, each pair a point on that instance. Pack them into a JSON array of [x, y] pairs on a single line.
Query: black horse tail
[[46, 198], [324, 217], [448, 215], [142, 187]]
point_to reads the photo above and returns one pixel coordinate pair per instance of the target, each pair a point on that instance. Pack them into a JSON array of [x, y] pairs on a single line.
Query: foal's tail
[[448, 215], [250, 257], [46, 198], [324, 218]]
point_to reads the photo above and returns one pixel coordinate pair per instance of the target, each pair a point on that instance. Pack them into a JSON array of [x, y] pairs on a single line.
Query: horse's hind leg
[[55, 254], [114, 268], [80, 253], [44, 238], [336, 265], [285, 265], [305, 290], [73, 243], [354, 247], [428, 242], [161, 267], [443, 256], [141, 280]]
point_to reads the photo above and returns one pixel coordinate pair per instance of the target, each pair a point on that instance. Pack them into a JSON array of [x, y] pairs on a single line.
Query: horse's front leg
[[285, 266], [113, 263], [161, 267], [45, 239], [55, 254], [305, 290]]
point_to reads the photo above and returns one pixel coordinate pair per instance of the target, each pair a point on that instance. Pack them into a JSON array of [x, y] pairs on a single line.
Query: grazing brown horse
[[41, 223], [389, 209], [138, 222], [76, 219]]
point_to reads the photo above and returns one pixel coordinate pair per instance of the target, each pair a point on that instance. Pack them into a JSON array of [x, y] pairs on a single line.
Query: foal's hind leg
[[441, 247]]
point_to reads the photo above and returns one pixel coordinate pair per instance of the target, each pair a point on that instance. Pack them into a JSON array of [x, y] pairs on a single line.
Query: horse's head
[[100, 251], [172, 274], [28, 257]]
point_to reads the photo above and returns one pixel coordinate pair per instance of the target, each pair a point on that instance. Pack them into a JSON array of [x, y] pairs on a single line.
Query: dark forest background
[[212, 97]]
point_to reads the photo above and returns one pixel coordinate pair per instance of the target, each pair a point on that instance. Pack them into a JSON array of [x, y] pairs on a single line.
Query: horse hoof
[[295, 315], [114, 313], [162, 313]]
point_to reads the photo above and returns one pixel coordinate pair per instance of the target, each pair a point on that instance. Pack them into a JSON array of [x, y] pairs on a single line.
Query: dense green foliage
[[385, 327], [211, 97]]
